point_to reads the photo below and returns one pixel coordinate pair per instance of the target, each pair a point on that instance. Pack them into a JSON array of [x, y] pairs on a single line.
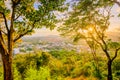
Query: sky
[[45, 32], [114, 22]]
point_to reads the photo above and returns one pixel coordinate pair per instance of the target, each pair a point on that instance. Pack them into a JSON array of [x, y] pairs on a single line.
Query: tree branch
[[2, 43], [3, 32], [5, 20], [16, 2], [102, 46], [116, 51], [22, 34], [17, 17]]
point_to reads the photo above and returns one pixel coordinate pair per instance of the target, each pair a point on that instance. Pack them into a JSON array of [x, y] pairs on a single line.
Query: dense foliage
[[60, 65], [88, 20], [21, 17]]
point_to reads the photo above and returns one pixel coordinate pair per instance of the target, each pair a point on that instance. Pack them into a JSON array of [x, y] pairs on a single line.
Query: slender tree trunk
[[7, 65], [109, 64]]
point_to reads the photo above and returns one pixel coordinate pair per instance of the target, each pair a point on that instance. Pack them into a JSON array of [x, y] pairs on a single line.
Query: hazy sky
[[45, 32], [115, 23]]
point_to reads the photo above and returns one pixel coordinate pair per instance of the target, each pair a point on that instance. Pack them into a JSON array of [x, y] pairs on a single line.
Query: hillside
[[52, 38]]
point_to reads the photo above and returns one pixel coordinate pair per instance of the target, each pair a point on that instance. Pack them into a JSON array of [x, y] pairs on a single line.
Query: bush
[[33, 74]]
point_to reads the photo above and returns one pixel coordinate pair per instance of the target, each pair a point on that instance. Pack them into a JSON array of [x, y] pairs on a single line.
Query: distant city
[[46, 44]]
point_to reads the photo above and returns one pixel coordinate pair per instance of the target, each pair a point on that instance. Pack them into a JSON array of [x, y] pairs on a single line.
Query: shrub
[[33, 74]]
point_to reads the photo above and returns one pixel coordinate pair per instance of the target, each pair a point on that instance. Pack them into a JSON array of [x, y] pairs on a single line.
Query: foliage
[[69, 65], [18, 18], [16, 73], [90, 20], [59, 68], [33, 74], [1, 73]]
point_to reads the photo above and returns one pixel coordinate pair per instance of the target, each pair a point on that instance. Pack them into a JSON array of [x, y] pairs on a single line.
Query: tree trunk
[[109, 70], [7, 65]]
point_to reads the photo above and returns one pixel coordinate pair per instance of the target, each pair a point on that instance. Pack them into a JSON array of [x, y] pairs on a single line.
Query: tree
[[19, 18], [89, 20]]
